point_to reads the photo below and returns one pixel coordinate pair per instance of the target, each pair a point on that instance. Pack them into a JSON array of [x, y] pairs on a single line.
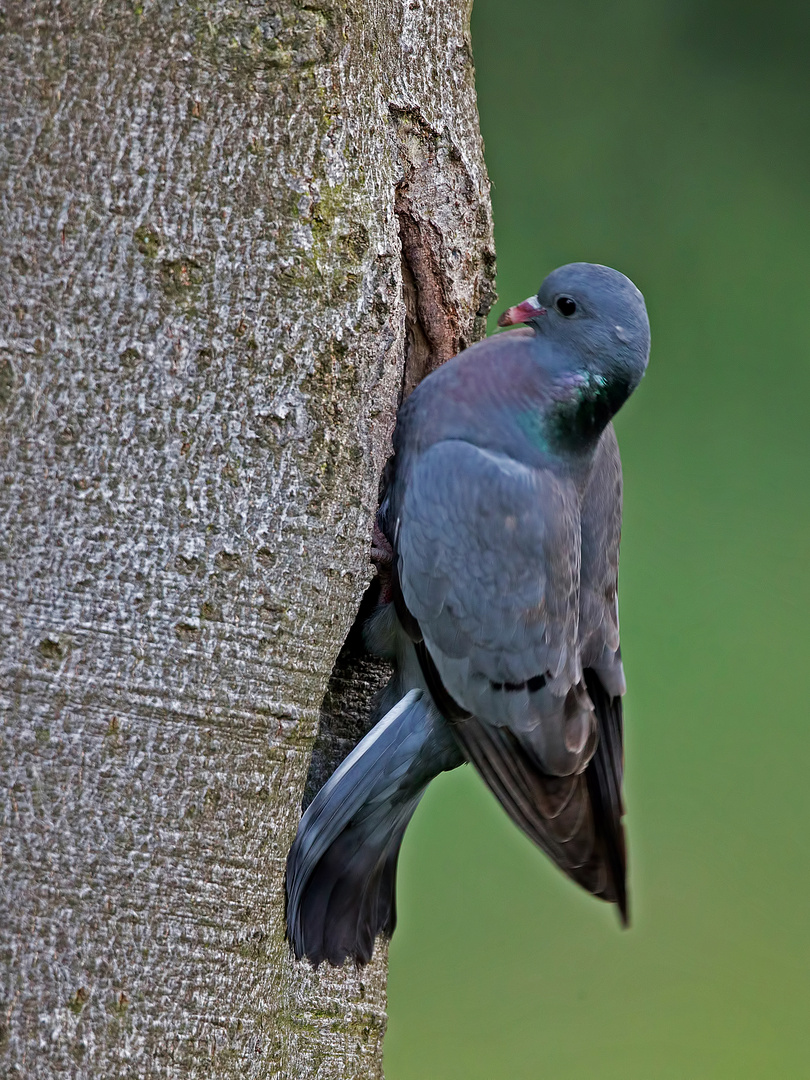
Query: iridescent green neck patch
[[585, 407], [534, 425]]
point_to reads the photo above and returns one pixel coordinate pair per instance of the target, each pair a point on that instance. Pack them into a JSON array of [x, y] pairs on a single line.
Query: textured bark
[[213, 217]]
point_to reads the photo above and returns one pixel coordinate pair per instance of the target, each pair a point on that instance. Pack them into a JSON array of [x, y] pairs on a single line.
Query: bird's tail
[[341, 870]]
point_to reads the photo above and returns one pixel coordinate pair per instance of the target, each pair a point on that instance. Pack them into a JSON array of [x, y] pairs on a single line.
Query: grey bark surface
[[232, 234]]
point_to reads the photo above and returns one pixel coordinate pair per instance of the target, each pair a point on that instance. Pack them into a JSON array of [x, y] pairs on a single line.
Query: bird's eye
[[565, 305]]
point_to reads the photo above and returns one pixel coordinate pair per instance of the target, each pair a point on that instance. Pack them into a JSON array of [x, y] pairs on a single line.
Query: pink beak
[[522, 313]]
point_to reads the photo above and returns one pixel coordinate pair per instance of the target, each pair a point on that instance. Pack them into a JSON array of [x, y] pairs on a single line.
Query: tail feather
[[341, 870]]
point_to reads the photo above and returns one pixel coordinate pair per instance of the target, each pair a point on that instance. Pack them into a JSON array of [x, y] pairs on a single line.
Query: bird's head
[[599, 318]]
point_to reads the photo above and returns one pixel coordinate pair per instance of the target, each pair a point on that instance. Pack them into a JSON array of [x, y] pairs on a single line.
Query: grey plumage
[[503, 513], [342, 865]]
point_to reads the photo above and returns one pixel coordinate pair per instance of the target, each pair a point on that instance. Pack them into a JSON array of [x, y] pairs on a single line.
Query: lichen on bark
[[206, 211]]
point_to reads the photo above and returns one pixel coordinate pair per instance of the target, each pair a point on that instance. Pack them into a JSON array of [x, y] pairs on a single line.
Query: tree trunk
[[215, 218]]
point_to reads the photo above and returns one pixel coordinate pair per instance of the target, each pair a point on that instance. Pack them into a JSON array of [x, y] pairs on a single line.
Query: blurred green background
[[669, 140]]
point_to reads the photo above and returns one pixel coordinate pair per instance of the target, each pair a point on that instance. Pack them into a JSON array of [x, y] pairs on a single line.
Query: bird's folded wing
[[489, 564], [488, 558]]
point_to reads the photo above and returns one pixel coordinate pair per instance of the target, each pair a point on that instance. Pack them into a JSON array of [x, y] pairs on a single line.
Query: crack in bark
[[432, 333]]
